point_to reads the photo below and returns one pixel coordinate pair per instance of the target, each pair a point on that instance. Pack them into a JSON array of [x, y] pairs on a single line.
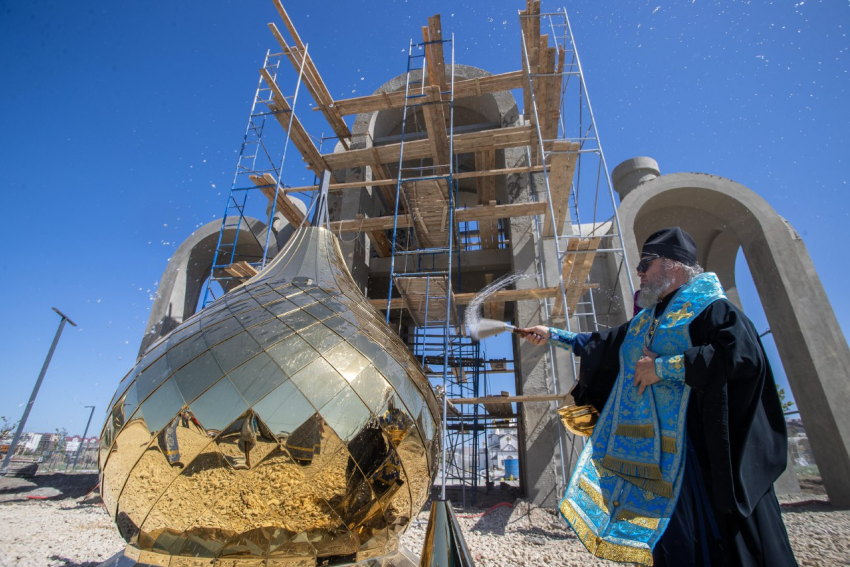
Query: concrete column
[[632, 173], [539, 427]]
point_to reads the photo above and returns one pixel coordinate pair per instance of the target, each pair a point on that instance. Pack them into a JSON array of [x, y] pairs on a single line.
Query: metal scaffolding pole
[[38, 382]]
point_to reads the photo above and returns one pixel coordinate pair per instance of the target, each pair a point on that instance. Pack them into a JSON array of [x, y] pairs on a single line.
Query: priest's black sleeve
[[600, 364], [735, 418]]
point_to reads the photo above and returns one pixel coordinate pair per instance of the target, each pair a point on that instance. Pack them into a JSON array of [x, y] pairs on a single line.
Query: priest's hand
[[537, 335], [645, 371]]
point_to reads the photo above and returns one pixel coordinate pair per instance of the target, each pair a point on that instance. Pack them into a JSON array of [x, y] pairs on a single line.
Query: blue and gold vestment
[[626, 483]]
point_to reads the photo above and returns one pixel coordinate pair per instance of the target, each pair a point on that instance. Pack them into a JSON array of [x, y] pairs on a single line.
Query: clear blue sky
[[120, 123]]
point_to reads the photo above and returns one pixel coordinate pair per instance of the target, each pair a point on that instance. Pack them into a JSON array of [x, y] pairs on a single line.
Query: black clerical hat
[[673, 243]]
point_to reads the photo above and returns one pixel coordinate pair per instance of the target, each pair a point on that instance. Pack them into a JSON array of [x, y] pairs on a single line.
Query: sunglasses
[[643, 266]]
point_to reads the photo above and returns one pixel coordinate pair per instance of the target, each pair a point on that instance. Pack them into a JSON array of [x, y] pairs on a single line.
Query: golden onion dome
[[285, 421]]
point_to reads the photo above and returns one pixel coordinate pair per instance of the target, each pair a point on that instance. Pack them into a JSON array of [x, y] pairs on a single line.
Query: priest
[[680, 467]]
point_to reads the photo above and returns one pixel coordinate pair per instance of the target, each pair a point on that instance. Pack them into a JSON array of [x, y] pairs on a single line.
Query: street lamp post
[[23, 421], [83, 440]]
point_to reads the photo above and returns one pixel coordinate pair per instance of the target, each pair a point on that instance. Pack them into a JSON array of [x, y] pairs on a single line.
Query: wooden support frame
[[282, 112], [488, 231], [562, 164], [497, 138], [434, 57], [510, 399], [464, 88], [312, 78], [487, 212], [268, 184], [574, 272], [501, 296], [385, 182], [241, 270]]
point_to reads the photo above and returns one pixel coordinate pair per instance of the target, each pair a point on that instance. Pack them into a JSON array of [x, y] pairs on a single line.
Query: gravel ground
[[64, 527]]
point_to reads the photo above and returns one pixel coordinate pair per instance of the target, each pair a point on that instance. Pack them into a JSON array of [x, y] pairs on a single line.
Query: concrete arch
[[182, 282], [724, 216]]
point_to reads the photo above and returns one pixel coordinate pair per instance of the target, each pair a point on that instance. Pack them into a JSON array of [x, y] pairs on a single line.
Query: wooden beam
[[509, 399], [574, 272], [282, 112], [488, 231], [434, 57], [435, 123], [385, 182], [487, 212], [268, 185], [497, 138], [312, 78], [465, 88], [500, 296], [379, 240], [241, 270], [562, 163]]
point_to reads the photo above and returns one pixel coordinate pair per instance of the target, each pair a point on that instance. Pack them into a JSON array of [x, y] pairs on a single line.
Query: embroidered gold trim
[[601, 548], [659, 487], [631, 468], [641, 430], [677, 363], [594, 495], [668, 445], [682, 314], [638, 520]]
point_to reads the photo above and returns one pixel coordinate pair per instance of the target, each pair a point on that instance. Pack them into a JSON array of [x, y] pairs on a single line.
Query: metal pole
[[23, 421], [83, 440]]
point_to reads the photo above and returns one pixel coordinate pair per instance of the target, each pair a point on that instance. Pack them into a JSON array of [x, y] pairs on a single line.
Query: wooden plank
[[268, 185], [574, 272], [562, 162], [426, 300], [461, 215], [581, 270], [298, 135], [488, 231], [313, 80], [497, 138], [500, 409], [509, 399], [500, 296], [428, 203], [434, 57], [385, 182], [435, 123], [465, 88], [242, 270], [380, 242]]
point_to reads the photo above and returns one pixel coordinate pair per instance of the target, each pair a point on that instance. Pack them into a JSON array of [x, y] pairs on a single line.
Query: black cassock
[[737, 441]]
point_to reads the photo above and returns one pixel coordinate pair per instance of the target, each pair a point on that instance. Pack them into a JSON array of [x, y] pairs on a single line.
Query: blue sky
[[120, 123]]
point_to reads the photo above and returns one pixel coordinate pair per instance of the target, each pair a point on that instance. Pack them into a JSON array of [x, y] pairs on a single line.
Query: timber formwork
[[420, 230]]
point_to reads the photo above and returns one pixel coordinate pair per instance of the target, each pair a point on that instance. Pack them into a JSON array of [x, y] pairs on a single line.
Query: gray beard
[[651, 293]]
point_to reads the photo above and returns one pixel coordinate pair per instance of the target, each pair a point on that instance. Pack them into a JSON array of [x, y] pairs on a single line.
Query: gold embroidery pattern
[[677, 362], [682, 314], [638, 520], [637, 431], [601, 548], [594, 495]]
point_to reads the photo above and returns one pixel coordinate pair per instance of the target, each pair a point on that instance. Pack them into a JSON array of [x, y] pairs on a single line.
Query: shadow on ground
[[51, 486], [72, 563]]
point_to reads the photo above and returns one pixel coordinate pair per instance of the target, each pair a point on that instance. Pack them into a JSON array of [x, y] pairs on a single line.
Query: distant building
[[501, 444], [72, 443]]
